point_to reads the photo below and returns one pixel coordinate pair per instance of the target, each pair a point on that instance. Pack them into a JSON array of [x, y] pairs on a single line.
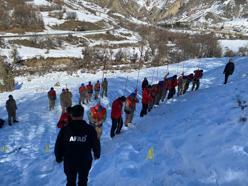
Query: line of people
[[85, 94], [153, 94], [75, 143], [77, 138]]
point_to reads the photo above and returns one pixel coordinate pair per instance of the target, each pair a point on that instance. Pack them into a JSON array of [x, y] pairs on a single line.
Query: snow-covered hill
[[197, 139]]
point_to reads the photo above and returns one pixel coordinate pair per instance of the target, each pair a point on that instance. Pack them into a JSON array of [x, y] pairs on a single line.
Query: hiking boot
[[15, 121]]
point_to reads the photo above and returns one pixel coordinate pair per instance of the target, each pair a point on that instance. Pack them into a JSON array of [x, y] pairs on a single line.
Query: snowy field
[[197, 139]]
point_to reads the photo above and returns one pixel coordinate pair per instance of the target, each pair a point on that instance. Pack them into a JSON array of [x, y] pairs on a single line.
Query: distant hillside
[[206, 11]]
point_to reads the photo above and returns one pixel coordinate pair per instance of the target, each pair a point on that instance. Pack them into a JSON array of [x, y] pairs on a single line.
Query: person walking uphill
[[229, 69], [74, 146], [83, 94], [51, 98], [11, 109], [116, 112], [171, 86]]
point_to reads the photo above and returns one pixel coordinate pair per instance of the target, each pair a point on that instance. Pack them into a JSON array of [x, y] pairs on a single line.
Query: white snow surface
[[233, 45], [197, 138]]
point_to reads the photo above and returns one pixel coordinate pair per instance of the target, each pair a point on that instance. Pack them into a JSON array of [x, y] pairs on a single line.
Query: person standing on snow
[[97, 115], [105, 87], [83, 94], [51, 98], [97, 88], [196, 80], [89, 91], [229, 69], [68, 97], [180, 85], [74, 146], [146, 97], [11, 109], [116, 117], [63, 100], [172, 83], [129, 108], [186, 81]]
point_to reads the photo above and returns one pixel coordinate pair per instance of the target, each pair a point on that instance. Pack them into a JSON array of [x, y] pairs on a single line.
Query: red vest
[[145, 96], [97, 87], [90, 89], [82, 89], [96, 114], [52, 93]]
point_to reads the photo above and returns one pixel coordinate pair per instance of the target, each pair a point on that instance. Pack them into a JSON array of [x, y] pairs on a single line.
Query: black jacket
[[229, 69], [145, 84], [75, 143]]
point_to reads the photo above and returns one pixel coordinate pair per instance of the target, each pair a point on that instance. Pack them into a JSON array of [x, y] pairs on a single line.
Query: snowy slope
[[197, 138]]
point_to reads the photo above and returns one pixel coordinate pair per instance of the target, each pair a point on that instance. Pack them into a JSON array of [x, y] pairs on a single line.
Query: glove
[[59, 160], [96, 157]]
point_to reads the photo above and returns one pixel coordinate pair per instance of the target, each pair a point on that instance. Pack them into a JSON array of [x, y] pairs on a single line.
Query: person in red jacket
[[146, 97], [65, 118], [196, 80], [116, 112], [89, 91], [97, 89]]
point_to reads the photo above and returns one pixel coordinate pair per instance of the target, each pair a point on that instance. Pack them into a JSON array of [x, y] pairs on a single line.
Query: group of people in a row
[[75, 142], [77, 138], [153, 94], [85, 94]]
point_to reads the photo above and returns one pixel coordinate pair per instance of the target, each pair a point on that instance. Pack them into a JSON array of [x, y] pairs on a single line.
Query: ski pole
[[137, 80], [153, 75], [126, 85]]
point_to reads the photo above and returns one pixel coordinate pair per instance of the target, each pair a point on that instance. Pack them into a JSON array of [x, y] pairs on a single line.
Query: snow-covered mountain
[[197, 139], [206, 11]]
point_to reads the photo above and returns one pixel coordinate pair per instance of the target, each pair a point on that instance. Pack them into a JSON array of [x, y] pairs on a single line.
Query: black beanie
[[123, 98], [77, 111]]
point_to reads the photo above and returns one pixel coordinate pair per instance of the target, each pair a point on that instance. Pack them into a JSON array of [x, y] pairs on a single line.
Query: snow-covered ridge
[[197, 139]]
